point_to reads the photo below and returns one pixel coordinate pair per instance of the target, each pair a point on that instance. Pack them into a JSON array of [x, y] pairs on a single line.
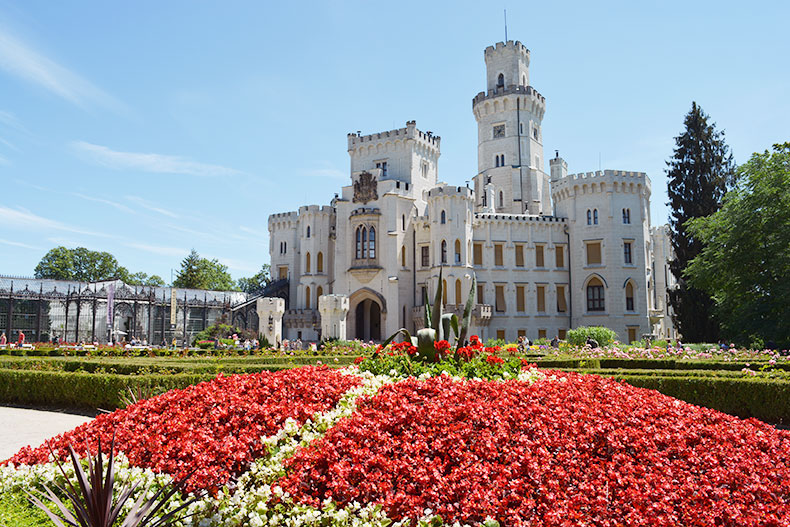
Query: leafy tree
[[699, 174], [745, 261], [256, 283], [202, 273], [84, 265]]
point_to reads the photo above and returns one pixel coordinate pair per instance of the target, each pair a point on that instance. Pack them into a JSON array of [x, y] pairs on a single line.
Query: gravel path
[[21, 426]]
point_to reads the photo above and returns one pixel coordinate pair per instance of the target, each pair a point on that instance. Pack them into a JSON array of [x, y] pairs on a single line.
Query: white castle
[[550, 252]]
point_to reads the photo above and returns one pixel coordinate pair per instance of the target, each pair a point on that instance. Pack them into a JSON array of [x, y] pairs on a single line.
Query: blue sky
[[149, 128]]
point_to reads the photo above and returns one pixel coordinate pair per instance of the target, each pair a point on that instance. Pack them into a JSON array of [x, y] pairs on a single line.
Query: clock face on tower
[[499, 131]]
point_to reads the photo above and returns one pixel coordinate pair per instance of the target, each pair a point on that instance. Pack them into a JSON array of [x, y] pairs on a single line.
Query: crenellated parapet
[[617, 181], [392, 138]]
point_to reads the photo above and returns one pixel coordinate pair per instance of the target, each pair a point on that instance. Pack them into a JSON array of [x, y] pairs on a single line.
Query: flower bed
[[405, 444], [552, 453], [212, 430]]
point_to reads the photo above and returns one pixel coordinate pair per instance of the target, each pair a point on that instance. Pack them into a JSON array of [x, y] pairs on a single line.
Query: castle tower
[[510, 140]]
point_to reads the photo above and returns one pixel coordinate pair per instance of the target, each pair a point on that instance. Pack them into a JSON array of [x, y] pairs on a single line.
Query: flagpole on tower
[[505, 25]]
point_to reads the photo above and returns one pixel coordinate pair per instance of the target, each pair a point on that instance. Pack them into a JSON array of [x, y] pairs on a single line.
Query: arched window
[[403, 222], [458, 299], [444, 251], [595, 295], [319, 263], [403, 256], [500, 82], [318, 293], [595, 216], [307, 263], [364, 242], [629, 296], [523, 80], [501, 199], [457, 252], [359, 243], [443, 219], [307, 297], [372, 243], [308, 231], [444, 292], [589, 217]]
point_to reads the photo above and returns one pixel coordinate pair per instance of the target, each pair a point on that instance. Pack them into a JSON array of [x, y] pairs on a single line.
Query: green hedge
[[656, 364], [767, 400], [81, 390]]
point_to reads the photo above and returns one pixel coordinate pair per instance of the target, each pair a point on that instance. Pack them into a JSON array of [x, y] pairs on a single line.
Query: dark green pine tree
[[698, 176], [190, 276]]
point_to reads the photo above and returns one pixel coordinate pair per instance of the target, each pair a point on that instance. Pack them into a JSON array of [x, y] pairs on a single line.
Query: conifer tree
[[698, 176]]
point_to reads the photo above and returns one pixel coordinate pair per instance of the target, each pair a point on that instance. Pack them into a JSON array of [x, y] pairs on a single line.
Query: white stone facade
[[541, 265]]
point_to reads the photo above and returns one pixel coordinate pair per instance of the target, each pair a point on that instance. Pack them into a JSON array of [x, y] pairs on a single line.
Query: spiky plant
[[439, 324], [93, 503]]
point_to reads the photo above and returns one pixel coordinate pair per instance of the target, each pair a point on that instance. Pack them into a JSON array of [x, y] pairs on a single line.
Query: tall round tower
[[510, 141]]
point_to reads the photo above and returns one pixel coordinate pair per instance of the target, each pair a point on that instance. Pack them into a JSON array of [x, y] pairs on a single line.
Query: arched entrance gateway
[[368, 311]]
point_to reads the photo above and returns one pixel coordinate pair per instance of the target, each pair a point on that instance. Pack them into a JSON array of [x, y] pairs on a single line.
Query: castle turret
[[510, 141]]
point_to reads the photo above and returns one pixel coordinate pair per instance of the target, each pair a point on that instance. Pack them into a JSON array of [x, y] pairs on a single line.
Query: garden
[[406, 434]]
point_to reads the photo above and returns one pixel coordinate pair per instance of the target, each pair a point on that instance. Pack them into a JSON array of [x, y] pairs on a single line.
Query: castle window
[[364, 242], [520, 303], [500, 299], [562, 305], [627, 254], [626, 216], [523, 80], [539, 260], [500, 82], [372, 243], [458, 299], [285, 247], [443, 218], [498, 260], [319, 263], [480, 289], [359, 243], [559, 256], [424, 171], [521, 128], [307, 263], [595, 295], [307, 297], [457, 252], [318, 293], [403, 222], [499, 131], [541, 292], [594, 253], [629, 297], [589, 217], [425, 256], [595, 216], [519, 255], [383, 166], [535, 132], [444, 292], [501, 199], [308, 231], [478, 254], [444, 251], [403, 256]]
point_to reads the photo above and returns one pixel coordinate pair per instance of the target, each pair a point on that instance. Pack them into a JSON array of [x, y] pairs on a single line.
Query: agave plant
[[439, 324], [93, 503]]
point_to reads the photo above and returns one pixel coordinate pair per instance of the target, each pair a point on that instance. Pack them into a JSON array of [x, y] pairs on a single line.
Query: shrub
[[602, 335], [492, 343]]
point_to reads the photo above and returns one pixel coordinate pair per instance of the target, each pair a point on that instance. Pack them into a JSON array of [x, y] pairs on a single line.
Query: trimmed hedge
[[656, 364], [764, 399], [82, 390]]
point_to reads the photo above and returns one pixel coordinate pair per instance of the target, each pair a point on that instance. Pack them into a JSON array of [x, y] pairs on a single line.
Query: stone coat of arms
[[365, 188]]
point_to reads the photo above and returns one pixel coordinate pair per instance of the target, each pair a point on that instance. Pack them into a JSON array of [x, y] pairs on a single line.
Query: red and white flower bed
[[323, 447]]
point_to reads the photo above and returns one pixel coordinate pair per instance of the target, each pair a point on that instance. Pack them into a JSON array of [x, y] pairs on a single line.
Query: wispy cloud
[[8, 119], [26, 219], [19, 244], [103, 201], [19, 59], [157, 163], [158, 249], [144, 203], [4, 161], [8, 144], [327, 171]]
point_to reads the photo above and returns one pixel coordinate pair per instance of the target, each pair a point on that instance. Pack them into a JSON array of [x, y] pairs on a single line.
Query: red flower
[[441, 346], [359, 360], [493, 359]]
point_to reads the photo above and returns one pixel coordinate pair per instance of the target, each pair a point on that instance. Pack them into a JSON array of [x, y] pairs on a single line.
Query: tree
[[257, 283], [699, 174], [745, 261], [78, 264], [202, 273]]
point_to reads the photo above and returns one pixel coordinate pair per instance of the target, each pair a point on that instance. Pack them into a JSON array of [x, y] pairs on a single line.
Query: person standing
[[21, 340], [3, 339]]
